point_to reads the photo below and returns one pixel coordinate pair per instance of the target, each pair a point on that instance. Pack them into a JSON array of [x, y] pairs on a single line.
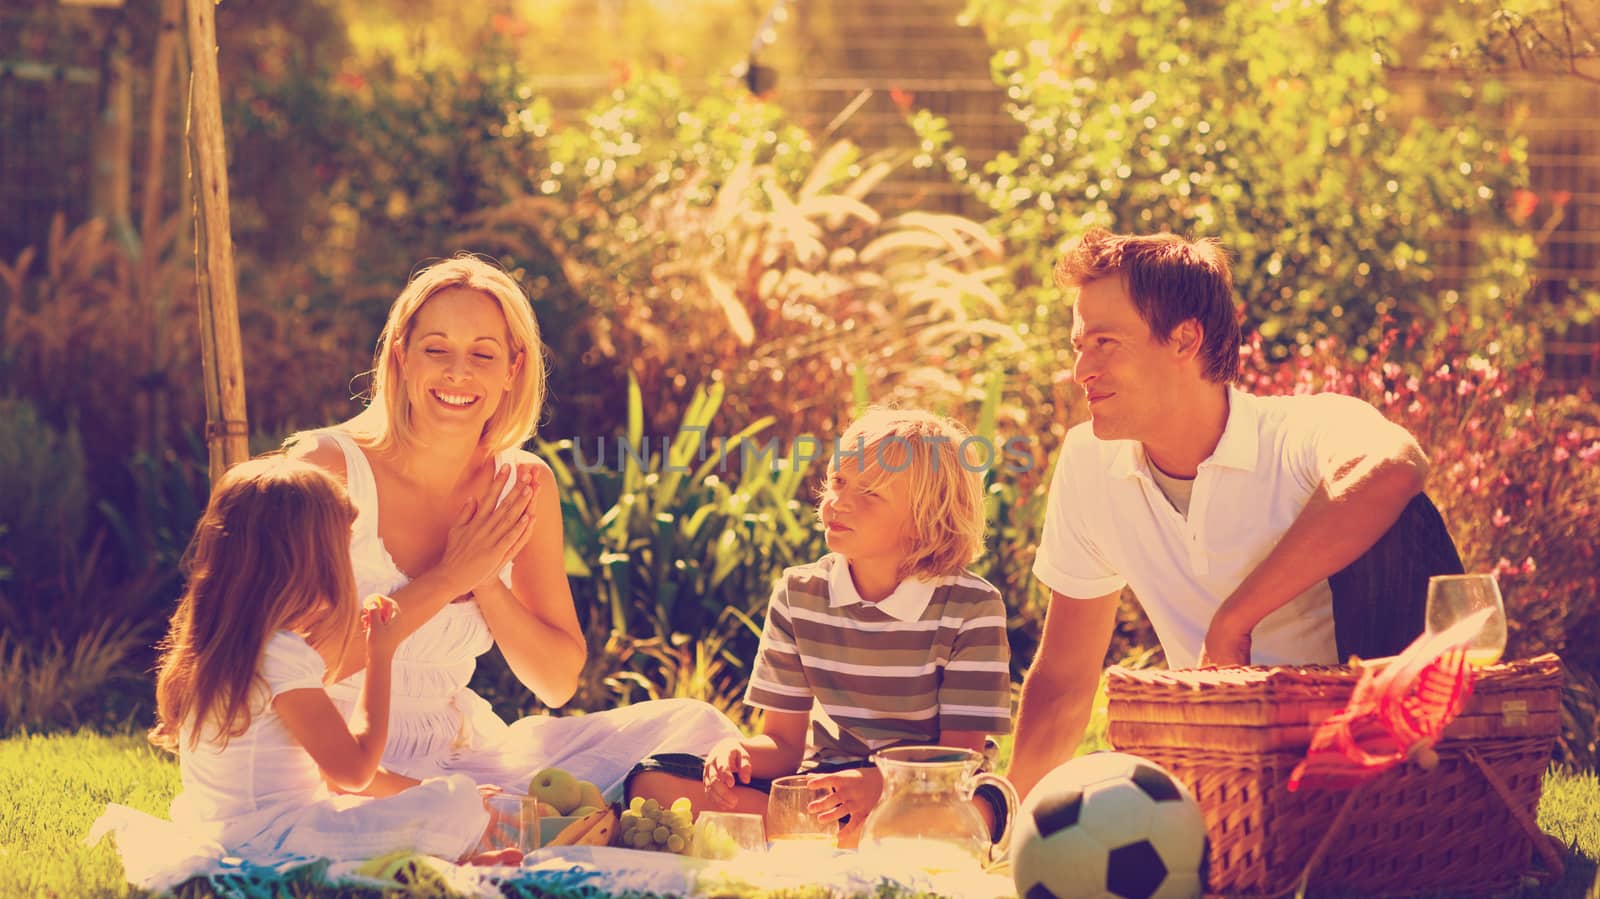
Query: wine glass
[[1453, 597], [788, 818], [725, 834]]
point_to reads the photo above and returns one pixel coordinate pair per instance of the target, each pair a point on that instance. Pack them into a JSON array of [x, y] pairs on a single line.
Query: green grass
[[53, 787]]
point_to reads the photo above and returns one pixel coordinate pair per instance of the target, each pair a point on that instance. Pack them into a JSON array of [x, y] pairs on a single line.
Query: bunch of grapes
[[646, 825]]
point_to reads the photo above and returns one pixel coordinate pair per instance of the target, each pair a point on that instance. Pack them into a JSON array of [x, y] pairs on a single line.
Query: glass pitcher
[[926, 808]]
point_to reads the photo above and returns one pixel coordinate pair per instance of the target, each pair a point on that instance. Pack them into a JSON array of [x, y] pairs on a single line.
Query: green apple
[[558, 788], [584, 810], [589, 796], [546, 810]]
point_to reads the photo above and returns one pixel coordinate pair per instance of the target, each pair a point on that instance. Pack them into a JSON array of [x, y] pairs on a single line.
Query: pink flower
[[510, 26], [1523, 203], [1590, 452], [1528, 567], [1500, 518], [1560, 454]]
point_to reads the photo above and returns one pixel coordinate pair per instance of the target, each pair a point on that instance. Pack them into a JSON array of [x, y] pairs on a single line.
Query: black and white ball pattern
[[1109, 825]]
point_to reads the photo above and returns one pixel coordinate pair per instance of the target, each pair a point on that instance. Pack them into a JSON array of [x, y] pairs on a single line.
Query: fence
[[49, 97]]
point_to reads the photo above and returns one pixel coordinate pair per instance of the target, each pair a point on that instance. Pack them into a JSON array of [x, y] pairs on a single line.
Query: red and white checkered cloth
[[1395, 712]]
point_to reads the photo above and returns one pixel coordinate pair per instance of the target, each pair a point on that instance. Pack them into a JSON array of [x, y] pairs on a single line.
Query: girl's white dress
[[262, 796], [438, 726], [440, 732]]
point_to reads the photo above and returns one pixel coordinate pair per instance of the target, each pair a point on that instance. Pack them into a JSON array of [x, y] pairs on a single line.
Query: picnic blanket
[[158, 857]]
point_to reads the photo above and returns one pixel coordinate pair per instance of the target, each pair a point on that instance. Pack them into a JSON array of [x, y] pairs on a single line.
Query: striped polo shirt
[[932, 656]]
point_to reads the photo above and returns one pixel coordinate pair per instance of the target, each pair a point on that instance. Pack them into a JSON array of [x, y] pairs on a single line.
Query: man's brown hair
[[1171, 280]]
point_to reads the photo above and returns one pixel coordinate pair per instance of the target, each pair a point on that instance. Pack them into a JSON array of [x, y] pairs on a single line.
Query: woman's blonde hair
[[386, 423], [271, 552], [945, 480]]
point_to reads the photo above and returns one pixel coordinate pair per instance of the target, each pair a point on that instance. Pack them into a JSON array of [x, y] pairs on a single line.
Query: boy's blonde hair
[[271, 552], [945, 482], [386, 423]]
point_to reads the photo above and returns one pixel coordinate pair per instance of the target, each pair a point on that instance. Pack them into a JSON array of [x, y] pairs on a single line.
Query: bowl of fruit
[[571, 812]]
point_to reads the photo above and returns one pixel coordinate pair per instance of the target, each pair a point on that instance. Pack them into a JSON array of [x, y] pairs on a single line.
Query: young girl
[[886, 641], [269, 612]]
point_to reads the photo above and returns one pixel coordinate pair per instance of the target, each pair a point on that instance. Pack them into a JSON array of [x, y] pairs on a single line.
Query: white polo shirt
[[1107, 523]]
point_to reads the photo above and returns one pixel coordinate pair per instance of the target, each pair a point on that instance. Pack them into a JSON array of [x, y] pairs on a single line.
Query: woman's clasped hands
[[486, 535]]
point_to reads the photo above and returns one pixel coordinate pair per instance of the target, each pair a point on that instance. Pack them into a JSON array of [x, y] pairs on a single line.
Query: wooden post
[[163, 66], [110, 184], [227, 430]]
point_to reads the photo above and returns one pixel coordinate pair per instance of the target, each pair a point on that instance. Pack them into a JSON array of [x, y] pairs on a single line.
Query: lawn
[[53, 787]]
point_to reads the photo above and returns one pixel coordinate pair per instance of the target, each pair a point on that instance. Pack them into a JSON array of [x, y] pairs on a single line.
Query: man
[[1226, 513]]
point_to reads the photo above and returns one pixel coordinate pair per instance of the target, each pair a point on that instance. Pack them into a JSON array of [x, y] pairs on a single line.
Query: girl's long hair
[[271, 552]]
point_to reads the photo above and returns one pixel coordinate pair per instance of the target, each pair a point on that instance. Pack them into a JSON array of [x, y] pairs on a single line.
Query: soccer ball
[[1109, 825]]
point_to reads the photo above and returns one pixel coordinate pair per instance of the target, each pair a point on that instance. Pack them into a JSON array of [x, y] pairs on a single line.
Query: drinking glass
[[724, 834], [1453, 597], [513, 823], [788, 820]]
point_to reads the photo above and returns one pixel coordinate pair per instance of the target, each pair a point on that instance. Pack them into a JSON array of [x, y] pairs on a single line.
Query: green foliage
[[578, 39], [416, 154], [721, 248], [592, 223], [1275, 127], [56, 685], [1513, 473], [650, 132], [44, 504], [672, 546], [79, 334], [1558, 37]]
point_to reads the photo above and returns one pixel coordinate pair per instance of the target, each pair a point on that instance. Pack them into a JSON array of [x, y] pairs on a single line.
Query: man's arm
[[1058, 690], [1359, 499]]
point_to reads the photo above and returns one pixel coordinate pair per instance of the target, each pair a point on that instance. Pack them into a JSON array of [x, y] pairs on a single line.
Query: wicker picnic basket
[[1234, 734]]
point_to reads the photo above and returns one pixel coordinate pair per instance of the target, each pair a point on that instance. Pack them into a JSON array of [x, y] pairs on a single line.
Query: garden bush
[[786, 298], [1279, 128], [1513, 472], [102, 467], [44, 510]]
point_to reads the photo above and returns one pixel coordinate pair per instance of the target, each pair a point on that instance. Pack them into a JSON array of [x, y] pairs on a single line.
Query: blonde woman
[[462, 528]]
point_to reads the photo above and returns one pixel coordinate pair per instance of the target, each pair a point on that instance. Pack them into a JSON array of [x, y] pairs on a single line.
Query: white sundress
[[262, 796], [261, 799], [438, 726]]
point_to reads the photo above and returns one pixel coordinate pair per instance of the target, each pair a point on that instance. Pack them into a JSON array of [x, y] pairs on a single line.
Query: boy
[[886, 641]]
